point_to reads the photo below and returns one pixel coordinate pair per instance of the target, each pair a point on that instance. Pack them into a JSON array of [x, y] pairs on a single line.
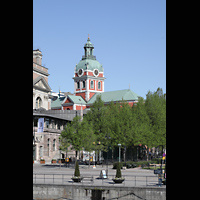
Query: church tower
[[88, 74]]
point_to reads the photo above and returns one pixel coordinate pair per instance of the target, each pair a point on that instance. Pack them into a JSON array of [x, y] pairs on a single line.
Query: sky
[[129, 39]]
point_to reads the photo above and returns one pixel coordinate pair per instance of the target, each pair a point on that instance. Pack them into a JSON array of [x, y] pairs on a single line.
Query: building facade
[[41, 89], [88, 75], [46, 142]]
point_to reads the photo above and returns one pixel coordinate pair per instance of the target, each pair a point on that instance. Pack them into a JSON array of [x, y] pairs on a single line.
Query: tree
[[87, 134], [72, 135], [112, 124], [141, 128], [97, 117], [155, 105]]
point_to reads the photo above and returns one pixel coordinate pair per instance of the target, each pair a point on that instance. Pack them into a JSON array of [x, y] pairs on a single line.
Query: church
[[89, 83], [57, 110]]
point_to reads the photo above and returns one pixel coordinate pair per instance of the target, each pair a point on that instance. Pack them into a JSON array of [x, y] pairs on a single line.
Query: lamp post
[[119, 151]]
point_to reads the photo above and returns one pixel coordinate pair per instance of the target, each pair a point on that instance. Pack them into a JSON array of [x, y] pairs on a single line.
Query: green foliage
[[97, 117], [108, 125], [77, 171], [155, 105], [132, 164], [118, 172]]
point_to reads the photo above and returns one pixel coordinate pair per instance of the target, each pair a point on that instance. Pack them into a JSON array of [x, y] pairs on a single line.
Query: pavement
[[61, 174]]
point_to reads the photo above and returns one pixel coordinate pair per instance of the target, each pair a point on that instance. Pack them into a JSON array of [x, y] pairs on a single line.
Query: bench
[[157, 165], [88, 178]]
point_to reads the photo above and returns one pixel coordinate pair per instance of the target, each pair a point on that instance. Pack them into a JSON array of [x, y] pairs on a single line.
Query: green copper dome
[[88, 60], [90, 64]]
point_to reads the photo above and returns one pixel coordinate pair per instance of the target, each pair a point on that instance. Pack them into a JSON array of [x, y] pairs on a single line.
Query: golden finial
[[88, 36]]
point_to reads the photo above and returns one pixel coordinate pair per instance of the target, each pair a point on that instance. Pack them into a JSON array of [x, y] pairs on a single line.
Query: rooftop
[[118, 95]]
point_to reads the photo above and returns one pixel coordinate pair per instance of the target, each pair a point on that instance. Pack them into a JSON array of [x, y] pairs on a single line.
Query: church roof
[[61, 101], [107, 97], [89, 61], [57, 103], [91, 65], [76, 99], [89, 44], [118, 95]]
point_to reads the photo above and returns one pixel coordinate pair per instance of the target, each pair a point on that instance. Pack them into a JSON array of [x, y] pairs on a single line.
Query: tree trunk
[[112, 155], [147, 153]]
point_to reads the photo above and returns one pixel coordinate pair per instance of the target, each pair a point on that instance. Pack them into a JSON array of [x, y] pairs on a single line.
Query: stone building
[[41, 89], [46, 142]]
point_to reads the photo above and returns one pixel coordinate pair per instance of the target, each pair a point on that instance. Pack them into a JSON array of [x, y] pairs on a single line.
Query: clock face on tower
[[96, 72], [80, 72]]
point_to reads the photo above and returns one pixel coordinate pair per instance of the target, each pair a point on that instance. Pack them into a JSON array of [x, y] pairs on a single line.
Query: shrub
[[118, 172], [115, 165], [77, 171]]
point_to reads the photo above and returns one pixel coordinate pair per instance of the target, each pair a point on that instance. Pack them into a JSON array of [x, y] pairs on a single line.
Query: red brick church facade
[[88, 83]]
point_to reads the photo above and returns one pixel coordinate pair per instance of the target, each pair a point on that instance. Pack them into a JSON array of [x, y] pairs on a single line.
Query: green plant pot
[[77, 179], [118, 180]]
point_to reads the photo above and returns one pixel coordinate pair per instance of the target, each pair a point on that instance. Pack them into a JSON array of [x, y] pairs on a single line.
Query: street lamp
[[119, 151]]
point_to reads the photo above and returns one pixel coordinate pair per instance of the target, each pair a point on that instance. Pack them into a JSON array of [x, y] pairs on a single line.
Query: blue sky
[[129, 39]]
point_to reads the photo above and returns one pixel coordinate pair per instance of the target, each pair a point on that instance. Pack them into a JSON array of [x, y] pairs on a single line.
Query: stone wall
[[74, 192]]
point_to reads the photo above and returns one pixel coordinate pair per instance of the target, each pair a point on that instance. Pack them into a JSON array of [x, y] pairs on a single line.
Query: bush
[[132, 164], [118, 172], [77, 171], [120, 164]]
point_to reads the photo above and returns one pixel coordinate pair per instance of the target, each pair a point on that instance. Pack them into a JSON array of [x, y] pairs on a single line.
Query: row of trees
[[118, 123]]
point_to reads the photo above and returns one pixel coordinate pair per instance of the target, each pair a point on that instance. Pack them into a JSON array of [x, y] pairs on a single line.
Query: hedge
[[132, 164]]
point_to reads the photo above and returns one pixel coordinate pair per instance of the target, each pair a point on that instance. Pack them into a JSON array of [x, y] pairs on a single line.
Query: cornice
[[40, 71], [87, 76]]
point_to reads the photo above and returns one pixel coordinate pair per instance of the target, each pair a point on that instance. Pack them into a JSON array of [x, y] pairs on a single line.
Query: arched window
[[78, 85], [48, 146], [83, 84], [38, 102], [99, 85], [92, 84], [54, 144]]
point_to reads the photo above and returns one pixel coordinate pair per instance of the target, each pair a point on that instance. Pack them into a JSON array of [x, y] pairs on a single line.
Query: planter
[[77, 179], [42, 161], [116, 180], [53, 161], [59, 161]]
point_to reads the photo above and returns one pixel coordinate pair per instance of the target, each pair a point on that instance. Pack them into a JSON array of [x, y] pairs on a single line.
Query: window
[[41, 151], [54, 144], [78, 85], [53, 124], [35, 120], [47, 122], [99, 85], [83, 84], [92, 84], [48, 146], [38, 102], [58, 125]]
